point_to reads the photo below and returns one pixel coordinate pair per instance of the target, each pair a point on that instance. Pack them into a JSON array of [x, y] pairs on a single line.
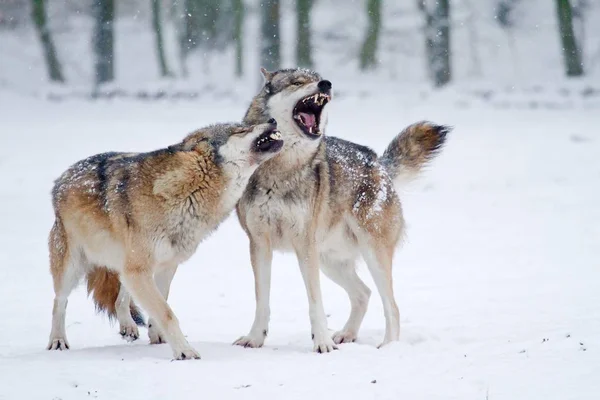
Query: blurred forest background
[[189, 46]]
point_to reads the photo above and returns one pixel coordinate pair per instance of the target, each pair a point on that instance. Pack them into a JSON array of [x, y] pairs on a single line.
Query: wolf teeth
[[275, 135], [318, 98]]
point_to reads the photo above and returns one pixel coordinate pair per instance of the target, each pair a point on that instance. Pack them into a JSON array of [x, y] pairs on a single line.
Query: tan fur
[[104, 286], [140, 215], [414, 148]]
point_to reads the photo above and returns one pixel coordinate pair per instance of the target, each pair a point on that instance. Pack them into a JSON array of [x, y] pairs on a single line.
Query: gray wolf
[[328, 200], [138, 215]]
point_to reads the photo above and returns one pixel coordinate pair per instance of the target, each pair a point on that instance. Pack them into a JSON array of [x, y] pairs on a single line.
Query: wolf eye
[[297, 83]]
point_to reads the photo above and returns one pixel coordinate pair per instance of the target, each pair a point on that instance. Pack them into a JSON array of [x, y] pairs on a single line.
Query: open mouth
[[307, 113], [268, 142]]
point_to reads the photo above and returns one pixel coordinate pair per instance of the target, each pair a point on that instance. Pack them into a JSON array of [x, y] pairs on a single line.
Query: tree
[[570, 50], [40, 21], [158, 37], [368, 53], [270, 36], [238, 33], [208, 21], [190, 30], [437, 40], [103, 40], [303, 47], [506, 17], [475, 69]]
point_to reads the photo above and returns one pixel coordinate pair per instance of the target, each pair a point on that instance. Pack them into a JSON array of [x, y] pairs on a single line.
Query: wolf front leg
[[137, 278], [308, 260], [261, 257]]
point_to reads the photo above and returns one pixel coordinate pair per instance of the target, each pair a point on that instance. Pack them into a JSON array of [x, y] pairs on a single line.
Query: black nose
[[324, 86], [272, 121]]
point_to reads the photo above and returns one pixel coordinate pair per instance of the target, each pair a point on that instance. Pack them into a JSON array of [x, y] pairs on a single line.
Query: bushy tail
[[412, 150], [104, 286]]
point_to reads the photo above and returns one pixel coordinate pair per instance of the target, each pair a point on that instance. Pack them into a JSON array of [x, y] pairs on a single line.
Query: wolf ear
[[268, 75]]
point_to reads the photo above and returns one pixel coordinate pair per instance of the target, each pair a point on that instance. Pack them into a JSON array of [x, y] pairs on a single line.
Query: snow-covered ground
[[497, 283]]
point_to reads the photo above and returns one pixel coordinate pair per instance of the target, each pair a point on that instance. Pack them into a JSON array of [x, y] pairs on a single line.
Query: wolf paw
[[386, 342], [154, 334], [187, 354], [344, 337], [156, 338], [326, 345], [58, 344], [129, 332], [250, 341]]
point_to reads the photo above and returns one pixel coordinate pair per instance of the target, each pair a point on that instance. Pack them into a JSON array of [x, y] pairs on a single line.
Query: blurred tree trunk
[[475, 69], [437, 40], [190, 32], [103, 40], [157, 27], [207, 21], [303, 47], [238, 33], [368, 53], [270, 36], [571, 53], [40, 21]]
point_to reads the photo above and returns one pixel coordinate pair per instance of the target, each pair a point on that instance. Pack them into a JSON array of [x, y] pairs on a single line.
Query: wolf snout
[[272, 121], [324, 86]]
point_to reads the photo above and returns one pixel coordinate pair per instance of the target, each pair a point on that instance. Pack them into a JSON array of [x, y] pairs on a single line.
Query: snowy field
[[497, 283]]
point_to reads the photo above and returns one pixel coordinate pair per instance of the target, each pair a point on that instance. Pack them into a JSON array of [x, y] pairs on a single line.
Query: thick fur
[[104, 286], [412, 149], [330, 201], [141, 215]]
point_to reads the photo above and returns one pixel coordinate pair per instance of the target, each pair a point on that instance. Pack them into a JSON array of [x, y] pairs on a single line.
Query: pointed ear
[[268, 75]]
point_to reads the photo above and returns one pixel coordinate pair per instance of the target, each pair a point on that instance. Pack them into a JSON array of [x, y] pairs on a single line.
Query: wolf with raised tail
[[328, 200], [134, 217]]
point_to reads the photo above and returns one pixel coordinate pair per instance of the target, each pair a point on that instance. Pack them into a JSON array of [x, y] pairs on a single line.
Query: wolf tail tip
[[414, 148]]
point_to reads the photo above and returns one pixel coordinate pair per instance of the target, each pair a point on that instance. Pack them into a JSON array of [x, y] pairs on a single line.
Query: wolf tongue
[[308, 119]]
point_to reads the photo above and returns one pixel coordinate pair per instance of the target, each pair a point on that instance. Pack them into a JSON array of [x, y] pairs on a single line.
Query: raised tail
[[413, 149], [104, 286]]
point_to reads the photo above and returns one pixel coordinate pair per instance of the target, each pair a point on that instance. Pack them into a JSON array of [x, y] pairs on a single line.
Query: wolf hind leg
[[127, 326], [379, 260], [66, 269], [163, 281], [343, 273]]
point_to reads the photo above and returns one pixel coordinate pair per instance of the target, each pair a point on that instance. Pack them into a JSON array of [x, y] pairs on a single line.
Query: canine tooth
[[274, 136]]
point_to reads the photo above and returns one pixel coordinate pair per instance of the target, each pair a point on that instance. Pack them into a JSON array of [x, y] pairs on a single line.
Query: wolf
[[126, 217], [328, 200]]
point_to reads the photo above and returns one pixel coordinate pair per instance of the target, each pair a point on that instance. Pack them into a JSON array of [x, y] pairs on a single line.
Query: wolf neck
[[238, 177], [295, 154]]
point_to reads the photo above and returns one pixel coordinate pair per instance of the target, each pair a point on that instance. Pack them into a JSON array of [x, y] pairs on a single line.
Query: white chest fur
[[281, 209]]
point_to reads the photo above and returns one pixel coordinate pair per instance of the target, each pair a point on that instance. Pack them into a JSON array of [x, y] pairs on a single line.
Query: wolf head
[[238, 144], [296, 98]]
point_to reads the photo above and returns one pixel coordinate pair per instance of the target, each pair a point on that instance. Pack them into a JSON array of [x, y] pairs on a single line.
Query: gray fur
[[328, 200]]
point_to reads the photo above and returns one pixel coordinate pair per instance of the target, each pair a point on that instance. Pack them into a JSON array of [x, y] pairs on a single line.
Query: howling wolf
[[328, 200]]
